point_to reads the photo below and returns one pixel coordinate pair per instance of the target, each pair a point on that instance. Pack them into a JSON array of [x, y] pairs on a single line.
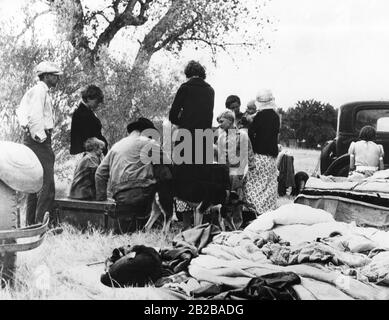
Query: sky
[[334, 51]]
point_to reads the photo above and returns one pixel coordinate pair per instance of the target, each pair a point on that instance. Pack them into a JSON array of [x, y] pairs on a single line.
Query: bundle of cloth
[[296, 252], [378, 182], [165, 268]]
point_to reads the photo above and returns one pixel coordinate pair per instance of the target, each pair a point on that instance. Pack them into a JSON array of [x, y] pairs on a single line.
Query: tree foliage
[[286, 132], [160, 24], [17, 62], [84, 33], [151, 26], [310, 120]]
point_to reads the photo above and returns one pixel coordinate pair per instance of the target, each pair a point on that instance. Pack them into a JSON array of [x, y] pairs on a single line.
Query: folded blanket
[[298, 233], [288, 214], [359, 239], [246, 251], [330, 183], [376, 183], [321, 290], [312, 252], [219, 271], [378, 270]]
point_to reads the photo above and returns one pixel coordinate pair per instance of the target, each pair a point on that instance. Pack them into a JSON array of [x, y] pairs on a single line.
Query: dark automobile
[[334, 159]]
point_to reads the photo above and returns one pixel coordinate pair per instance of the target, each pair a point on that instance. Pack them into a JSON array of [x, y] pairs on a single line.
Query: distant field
[[304, 159], [42, 273]]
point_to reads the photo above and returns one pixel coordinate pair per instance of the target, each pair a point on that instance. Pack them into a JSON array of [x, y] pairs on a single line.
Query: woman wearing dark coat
[[193, 104], [261, 187], [192, 109], [85, 123]]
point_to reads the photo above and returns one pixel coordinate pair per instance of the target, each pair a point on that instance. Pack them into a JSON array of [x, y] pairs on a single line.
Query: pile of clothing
[[333, 260], [139, 265], [285, 168], [294, 252]]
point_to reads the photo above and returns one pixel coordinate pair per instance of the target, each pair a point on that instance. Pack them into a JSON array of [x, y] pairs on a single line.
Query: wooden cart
[[13, 238], [84, 214]]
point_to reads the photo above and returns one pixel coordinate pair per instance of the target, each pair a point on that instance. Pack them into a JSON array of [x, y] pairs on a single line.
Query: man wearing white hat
[[35, 115]]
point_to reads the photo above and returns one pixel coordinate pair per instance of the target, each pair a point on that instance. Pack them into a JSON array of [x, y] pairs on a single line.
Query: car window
[[378, 118], [383, 124]]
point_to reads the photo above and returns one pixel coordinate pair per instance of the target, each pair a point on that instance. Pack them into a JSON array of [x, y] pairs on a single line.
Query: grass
[[71, 249], [304, 159], [42, 273]]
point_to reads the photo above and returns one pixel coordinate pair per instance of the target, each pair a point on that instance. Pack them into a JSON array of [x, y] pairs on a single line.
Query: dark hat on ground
[[139, 267], [140, 125]]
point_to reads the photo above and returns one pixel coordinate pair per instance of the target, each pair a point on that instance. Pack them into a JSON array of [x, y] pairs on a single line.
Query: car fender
[[327, 155]]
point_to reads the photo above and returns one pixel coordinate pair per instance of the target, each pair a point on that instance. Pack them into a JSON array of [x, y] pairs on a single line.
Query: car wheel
[[343, 172], [338, 171], [326, 156], [8, 221], [339, 168]]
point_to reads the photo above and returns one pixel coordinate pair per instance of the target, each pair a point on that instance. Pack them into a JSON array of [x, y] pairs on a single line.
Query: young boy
[[234, 149], [83, 185]]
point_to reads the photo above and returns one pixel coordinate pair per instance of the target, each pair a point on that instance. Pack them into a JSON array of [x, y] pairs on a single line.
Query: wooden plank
[[85, 205], [26, 232], [9, 237], [15, 247], [81, 214]]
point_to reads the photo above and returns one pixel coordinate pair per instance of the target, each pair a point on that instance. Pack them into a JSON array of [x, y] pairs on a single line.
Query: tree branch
[[130, 7], [157, 32], [77, 36], [97, 13], [220, 45], [144, 6], [30, 23], [175, 35], [128, 15], [127, 18], [115, 7]]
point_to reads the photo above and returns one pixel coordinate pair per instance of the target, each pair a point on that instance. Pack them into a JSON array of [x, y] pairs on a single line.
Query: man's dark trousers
[[43, 201]]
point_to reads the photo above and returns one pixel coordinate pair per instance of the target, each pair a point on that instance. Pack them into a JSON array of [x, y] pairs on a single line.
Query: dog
[[300, 179], [227, 218], [223, 216], [211, 189]]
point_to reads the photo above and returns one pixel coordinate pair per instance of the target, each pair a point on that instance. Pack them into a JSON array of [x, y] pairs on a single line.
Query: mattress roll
[[20, 168]]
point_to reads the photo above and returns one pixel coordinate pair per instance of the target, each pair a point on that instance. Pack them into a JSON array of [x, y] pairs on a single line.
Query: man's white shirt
[[36, 112]]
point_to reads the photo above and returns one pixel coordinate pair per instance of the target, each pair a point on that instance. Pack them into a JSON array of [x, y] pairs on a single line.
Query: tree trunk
[[141, 63]]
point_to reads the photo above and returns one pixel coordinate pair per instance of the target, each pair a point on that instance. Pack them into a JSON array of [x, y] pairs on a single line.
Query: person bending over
[[130, 175], [85, 124]]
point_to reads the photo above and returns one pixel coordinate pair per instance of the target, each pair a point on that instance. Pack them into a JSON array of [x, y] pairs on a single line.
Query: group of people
[[121, 171], [259, 126], [36, 118]]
